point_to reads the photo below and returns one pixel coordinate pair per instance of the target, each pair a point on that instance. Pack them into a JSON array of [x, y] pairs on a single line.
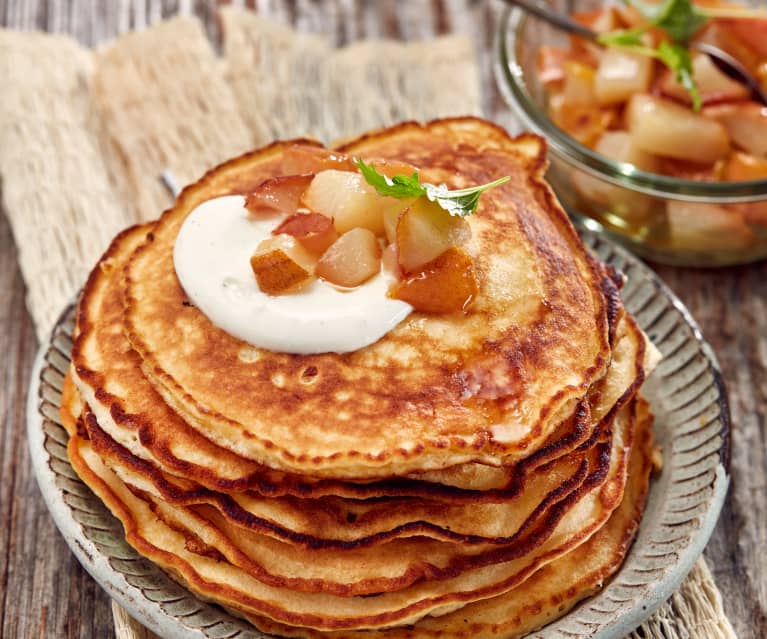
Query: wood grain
[[44, 592]]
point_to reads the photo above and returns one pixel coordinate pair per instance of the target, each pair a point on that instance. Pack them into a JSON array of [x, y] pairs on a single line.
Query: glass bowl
[[666, 219]]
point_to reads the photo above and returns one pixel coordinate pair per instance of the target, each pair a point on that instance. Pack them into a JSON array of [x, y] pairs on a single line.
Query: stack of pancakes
[[469, 474]]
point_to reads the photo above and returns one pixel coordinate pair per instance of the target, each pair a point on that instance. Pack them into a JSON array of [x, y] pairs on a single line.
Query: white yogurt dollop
[[212, 260]]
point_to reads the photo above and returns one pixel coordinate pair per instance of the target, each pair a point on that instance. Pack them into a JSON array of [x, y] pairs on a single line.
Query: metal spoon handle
[[552, 17]]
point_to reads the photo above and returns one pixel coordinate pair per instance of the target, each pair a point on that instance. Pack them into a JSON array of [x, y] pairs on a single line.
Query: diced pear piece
[[627, 204], [706, 227], [445, 285], [314, 231], [621, 74], [390, 168], [281, 265], [550, 62], [304, 158], [389, 261], [746, 123], [278, 194], [662, 127], [579, 84], [352, 259], [713, 85], [585, 123], [741, 167], [349, 200], [424, 231], [621, 147]]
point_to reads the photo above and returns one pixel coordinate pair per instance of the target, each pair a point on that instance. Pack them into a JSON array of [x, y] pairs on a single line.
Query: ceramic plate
[[692, 425]]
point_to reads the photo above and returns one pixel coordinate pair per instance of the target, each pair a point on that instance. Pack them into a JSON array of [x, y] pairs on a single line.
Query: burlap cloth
[[85, 134]]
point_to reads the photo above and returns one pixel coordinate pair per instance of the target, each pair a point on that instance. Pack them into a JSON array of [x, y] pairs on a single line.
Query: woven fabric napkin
[[85, 135]]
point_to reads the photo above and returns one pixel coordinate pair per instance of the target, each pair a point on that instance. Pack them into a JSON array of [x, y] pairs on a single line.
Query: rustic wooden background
[[43, 590]]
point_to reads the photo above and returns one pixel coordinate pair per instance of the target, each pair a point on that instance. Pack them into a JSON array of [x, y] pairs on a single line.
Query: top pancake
[[488, 386], [108, 373]]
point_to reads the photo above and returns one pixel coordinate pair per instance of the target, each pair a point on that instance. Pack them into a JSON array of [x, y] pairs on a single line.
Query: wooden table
[[43, 590]]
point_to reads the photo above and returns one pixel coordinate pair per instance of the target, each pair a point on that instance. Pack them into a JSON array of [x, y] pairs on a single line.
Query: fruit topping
[[281, 265], [279, 194], [445, 285], [424, 231], [664, 128], [314, 231], [349, 200], [345, 225], [352, 259], [304, 158]]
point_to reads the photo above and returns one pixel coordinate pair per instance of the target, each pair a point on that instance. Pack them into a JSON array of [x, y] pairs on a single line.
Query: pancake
[[344, 523], [210, 532], [109, 374], [465, 578], [549, 593], [72, 407], [488, 386]]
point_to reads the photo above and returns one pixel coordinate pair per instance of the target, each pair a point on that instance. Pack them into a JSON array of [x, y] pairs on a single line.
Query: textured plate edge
[[657, 596]]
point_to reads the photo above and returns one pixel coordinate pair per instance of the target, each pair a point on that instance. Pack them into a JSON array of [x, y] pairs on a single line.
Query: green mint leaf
[[622, 38], [399, 186], [461, 202], [680, 19], [677, 58]]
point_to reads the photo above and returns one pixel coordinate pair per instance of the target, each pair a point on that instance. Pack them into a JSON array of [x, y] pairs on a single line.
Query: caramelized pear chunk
[[390, 168], [281, 265], [278, 194], [304, 158], [662, 127], [746, 123], [314, 231], [352, 259], [444, 285], [424, 231], [350, 201], [620, 75]]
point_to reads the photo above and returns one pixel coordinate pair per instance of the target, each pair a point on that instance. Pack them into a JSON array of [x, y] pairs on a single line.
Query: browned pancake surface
[[436, 391]]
